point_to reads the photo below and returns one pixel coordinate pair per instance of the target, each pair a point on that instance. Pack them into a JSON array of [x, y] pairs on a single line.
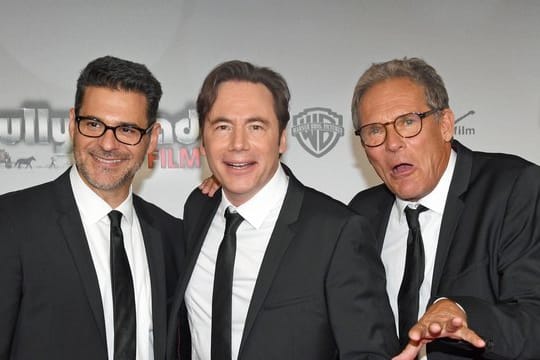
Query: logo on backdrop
[[32, 139], [318, 130], [463, 130]]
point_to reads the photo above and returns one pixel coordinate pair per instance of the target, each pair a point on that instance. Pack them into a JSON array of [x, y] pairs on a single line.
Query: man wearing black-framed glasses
[[458, 230], [86, 266], [125, 133]]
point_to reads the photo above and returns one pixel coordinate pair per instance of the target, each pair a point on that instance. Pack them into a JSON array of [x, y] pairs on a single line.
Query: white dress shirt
[[394, 249], [94, 215], [260, 214]]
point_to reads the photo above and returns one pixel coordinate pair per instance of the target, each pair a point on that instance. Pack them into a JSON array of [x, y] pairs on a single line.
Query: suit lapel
[[156, 267], [196, 226], [452, 210], [198, 232], [69, 221], [381, 216], [280, 239], [375, 204]]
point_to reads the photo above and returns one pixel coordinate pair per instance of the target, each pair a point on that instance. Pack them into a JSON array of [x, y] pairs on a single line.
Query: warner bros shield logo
[[317, 130]]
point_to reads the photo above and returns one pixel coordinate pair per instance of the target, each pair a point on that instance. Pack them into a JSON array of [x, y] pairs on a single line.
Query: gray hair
[[414, 69]]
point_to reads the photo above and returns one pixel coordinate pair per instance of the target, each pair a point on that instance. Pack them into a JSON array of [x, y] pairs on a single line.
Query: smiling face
[[410, 167], [106, 165], [241, 139]]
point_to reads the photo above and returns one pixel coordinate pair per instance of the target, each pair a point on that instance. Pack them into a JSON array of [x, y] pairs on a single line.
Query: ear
[[201, 144], [446, 124], [72, 124], [154, 136], [283, 141]]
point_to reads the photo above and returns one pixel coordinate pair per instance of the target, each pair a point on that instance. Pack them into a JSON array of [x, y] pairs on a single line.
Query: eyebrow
[[248, 120], [394, 119], [121, 123]]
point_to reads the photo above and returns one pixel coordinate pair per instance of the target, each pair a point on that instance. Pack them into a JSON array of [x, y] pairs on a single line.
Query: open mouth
[[402, 168]]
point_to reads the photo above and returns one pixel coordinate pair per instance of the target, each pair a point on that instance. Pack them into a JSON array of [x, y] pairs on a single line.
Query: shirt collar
[[91, 206], [256, 209], [436, 199]]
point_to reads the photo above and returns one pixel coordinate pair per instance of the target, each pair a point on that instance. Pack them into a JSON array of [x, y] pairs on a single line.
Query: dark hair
[[236, 70], [119, 74], [414, 69]]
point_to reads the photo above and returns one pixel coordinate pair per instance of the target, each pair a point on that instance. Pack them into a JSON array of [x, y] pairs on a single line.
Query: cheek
[[270, 150], [140, 155], [375, 159], [209, 150], [78, 144], [207, 145]]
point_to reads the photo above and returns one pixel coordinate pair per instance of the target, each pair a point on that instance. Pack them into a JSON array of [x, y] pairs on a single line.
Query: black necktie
[[123, 296], [222, 296], [409, 292]]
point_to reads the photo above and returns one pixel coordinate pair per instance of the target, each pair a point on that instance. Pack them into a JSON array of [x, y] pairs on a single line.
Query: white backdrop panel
[[487, 51]]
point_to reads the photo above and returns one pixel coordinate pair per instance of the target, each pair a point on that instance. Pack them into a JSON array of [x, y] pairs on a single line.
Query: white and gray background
[[487, 51]]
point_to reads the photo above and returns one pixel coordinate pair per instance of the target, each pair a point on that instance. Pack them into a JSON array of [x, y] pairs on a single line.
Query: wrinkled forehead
[[388, 99]]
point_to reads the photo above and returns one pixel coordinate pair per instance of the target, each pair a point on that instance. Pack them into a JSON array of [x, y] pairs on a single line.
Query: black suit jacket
[[320, 292], [488, 253], [50, 302]]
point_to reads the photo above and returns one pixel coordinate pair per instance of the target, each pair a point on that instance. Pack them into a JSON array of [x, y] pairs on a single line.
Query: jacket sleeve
[[511, 324], [359, 309], [10, 281]]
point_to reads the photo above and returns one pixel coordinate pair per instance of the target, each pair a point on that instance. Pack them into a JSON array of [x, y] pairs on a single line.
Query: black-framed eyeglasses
[[93, 127], [406, 125]]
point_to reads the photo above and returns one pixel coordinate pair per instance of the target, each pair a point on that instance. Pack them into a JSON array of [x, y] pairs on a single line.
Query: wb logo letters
[[317, 130]]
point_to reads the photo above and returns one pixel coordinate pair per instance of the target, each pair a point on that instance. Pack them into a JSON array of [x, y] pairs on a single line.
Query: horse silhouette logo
[[27, 162], [317, 130]]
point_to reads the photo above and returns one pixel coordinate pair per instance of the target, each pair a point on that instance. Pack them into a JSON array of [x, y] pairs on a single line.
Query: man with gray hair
[[458, 231]]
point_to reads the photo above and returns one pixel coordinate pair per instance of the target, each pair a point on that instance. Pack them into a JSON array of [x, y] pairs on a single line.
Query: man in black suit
[[69, 292], [480, 221], [303, 280]]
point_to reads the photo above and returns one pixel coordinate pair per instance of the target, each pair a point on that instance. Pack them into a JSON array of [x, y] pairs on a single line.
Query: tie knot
[[116, 217], [232, 221], [412, 216]]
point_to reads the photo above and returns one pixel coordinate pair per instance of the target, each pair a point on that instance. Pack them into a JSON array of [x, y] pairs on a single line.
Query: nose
[[393, 141], [108, 140], [239, 139]]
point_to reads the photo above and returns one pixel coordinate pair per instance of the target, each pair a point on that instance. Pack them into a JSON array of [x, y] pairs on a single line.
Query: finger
[[213, 188], [409, 353], [471, 337], [203, 185], [429, 331], [418, 332], [426, 330], [434, 329], [455, 324], [457, 329]]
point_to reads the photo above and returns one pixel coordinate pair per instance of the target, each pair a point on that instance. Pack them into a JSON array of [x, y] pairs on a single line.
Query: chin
[[406, 195]]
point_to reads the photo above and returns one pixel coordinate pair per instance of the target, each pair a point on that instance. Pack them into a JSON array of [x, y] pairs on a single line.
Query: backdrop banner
[[487, 51]]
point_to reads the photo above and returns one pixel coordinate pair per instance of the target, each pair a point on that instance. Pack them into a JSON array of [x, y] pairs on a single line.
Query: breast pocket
[[287, 302]]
